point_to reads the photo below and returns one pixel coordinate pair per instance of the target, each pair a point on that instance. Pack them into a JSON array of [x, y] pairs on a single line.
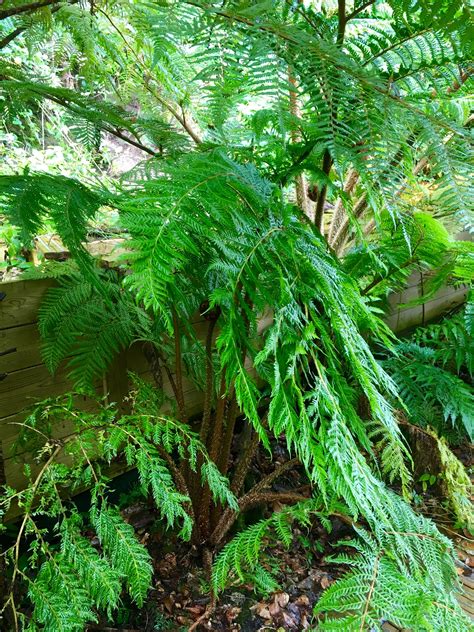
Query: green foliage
[[382, 585], [456, 483], [417, 243], [234, 102], [432, 374], [314, 362], [29, 199], [451, 340], [75, 579], [127, 556], [241, 558]]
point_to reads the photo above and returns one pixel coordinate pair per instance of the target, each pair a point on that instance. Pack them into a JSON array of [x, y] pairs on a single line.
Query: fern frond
[[122, 548]]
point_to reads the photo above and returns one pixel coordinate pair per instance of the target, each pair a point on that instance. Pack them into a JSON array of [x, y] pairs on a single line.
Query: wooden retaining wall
[[402, 317], [24, 379]]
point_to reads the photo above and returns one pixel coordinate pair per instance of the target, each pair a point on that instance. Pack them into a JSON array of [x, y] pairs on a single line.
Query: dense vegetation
[[293, 164]]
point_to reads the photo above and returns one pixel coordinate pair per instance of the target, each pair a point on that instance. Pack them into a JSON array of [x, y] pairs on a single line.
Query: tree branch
[[148, 77], [341, 21], [34, 6], [356, 12], [21, 29]]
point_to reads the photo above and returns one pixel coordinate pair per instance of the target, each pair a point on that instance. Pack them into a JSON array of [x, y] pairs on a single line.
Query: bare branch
[[26, 8], [356, 12]]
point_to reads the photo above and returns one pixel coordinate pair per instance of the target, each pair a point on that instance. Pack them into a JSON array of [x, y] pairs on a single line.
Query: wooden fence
[[24, 379]]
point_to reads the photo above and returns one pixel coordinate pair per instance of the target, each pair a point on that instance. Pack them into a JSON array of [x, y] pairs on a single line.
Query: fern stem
[[178, 368], [371, 591], [219, 421], [341, 22], [206, 417], [178, 478], [340, 235], [278, 471], [207, 559], [245, 462], [264, 498], [321, 199], [356, 12], [255, 497], [26, 517], [301, 185], [148, 78], [339, 211], [247, 502], [224, 455], [152, 356], [205, 503]]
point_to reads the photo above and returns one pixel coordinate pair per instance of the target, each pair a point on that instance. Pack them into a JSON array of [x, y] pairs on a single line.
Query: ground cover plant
[[295, 163]]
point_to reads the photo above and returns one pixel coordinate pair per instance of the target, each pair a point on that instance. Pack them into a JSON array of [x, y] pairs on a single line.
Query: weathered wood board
[[24, 379], [403, 317]]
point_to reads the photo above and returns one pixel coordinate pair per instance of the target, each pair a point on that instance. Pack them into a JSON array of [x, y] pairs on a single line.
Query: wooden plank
[[20, 301], [15, 469], [407, 318], [19, 348], [404, 319], [11, 455], [466, 605], [409, 294], [10, 428], [20, 389], [439, 306], [468, 580], [114, 469], [117, 383]]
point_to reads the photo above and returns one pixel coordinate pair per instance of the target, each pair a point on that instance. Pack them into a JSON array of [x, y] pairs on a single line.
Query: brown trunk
[[301, 185]]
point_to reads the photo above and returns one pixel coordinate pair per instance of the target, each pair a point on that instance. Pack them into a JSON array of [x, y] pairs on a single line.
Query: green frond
[[102, 582], [121, 547], [422, 383], [241, 556], [388, 583]]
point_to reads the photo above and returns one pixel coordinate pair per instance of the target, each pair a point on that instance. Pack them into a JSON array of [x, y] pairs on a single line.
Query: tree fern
[[263, 93]]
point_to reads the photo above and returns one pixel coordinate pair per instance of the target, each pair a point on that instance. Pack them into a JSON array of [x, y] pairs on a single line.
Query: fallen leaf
[[325, 581], [274, 608], [289, 621], [195, 609], [262, 611], [232, 613], [282, 599], [168, 603]]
